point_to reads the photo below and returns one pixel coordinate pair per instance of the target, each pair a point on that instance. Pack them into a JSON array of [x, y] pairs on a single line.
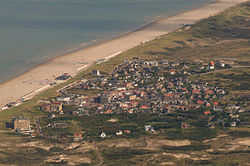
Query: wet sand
[[39, 78]]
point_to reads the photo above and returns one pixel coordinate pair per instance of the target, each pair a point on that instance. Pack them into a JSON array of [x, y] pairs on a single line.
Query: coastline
[[42, 75], [94, 42]]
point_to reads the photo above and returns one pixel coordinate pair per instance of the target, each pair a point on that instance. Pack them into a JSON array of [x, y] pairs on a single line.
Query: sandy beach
[[39, 78]]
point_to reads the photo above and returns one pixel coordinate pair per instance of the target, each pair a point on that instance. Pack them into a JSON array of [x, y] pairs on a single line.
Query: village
[[141, 87]]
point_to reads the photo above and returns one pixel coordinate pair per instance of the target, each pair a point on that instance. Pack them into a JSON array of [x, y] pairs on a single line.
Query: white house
[[103, 135], [119, 132]]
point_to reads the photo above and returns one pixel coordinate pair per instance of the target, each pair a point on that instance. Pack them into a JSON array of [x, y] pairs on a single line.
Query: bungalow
[[77, 137], [218, 108], [210, 92], [149, 128], [134, 103], [216, 103], [174, 64], [164, 62], [196, 91], [145, 107], [119, 132], [131, 111], [184, 125], [222, 64], [207, 112], [233, 124], [103, 135], [108, 112], [200, 102], [172, 72], [208, 104], [127, 131], [133, 97]]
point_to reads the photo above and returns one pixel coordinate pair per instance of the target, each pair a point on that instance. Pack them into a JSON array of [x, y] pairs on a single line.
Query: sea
[[35, 31]]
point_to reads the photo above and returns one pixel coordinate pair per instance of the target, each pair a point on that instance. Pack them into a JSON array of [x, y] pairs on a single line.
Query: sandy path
[[35, 78]]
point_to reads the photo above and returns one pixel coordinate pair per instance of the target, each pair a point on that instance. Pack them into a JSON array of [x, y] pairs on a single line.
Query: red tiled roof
[[200, 102], [196, 91], [209, 91], [207, 112], [144, 107], [216, 103]]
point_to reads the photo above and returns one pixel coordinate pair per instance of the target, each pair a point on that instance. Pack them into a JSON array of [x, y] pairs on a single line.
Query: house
[[210, 92], [133, 97], [216, 103], [119, 132], [184, 125], [200, 102], [233, 124], [222, 64], [149, 128], [127, 131], [108, 112], [164, 62], [77, 137], [218, 108], [21, 124], [174, 64], [196, 91], [172, 72], [56, 107], [145, 107], [207, 112], [131, 111], [96, 72], [103, 135], [207, 104], [211, 63], [211, 67]]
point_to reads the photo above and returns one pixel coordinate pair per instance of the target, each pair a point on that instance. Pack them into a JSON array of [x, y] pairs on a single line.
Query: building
[[184, 125], [56, 107], [105, 98], [78, 137], [21, 124], [149, 128], [119, 132], [96, 72], [103, 135], [53, 107]]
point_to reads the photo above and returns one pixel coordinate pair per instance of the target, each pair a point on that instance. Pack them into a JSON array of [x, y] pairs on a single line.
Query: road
[[98, 154]]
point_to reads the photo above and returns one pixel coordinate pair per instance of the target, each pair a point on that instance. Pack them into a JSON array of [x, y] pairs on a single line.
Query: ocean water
[[34, 31]]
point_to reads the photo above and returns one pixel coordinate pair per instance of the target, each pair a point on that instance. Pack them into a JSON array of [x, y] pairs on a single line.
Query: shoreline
[[42, 75], [95, 42]]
